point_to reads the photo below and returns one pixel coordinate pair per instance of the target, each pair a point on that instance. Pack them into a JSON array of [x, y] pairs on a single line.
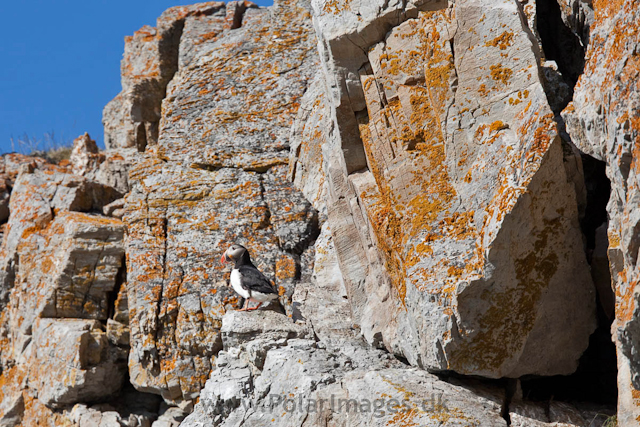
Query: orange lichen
[[336, 6], [285, 269], [501, 74], [502, 42], [212, 35], [498, 126], [407, 222]]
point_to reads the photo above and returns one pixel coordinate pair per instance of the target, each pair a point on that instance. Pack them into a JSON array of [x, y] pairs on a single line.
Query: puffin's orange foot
[[255, 308]]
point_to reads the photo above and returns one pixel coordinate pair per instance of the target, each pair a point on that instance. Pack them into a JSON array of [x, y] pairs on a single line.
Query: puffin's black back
[[251, 278]]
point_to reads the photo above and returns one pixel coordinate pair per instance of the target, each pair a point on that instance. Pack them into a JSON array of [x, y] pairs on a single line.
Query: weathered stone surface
[[628, 398], [110, 167], [169, 417], [85, 155], [554, 414], [10, 165], [59, 263], [151, 58], [12, 382], [118, 333], [410, 396], [222, 90], [37, 414], [603, 122], [192, 291], [228, 384], [309, 130], [557, 90], [73, 362], [217, 175], [361, 387], [37, 195], [105, 415], [66, 269], [201, 30], [83, 416], [239, 327], [84, 254], [601, 273], [302, 383], [129, 409], [458, 237], [323, 302], [114, 169]]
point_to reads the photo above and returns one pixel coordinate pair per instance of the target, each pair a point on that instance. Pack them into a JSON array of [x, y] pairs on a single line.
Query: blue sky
[[61, 63]]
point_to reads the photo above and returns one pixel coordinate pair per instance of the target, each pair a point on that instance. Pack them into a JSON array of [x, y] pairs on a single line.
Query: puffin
[[246, 279]]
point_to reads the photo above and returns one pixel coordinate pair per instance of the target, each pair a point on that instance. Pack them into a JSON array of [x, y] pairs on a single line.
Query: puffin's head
[[233, 253]]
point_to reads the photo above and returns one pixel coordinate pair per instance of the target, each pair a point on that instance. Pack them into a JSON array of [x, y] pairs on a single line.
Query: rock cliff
[[443, 193]]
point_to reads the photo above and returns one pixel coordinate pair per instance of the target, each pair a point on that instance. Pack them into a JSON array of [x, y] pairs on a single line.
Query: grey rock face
[[74, 362], [323, 302], [448, 241], [311, 127], [150, 60], [216, 175], [38, 193], [302, 383], [60, 262]]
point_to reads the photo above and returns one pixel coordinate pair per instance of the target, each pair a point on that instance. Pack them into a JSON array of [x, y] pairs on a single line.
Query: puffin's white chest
[[236, 279]]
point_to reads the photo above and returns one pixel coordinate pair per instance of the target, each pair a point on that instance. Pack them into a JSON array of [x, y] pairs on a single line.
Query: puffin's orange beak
[[224, 258]]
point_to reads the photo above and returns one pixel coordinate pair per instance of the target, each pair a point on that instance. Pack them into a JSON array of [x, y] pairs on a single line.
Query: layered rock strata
[[61, 260], [217, 175], [151, 59]]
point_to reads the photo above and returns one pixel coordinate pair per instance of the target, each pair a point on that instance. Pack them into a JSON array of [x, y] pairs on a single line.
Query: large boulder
[[454, 220]]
